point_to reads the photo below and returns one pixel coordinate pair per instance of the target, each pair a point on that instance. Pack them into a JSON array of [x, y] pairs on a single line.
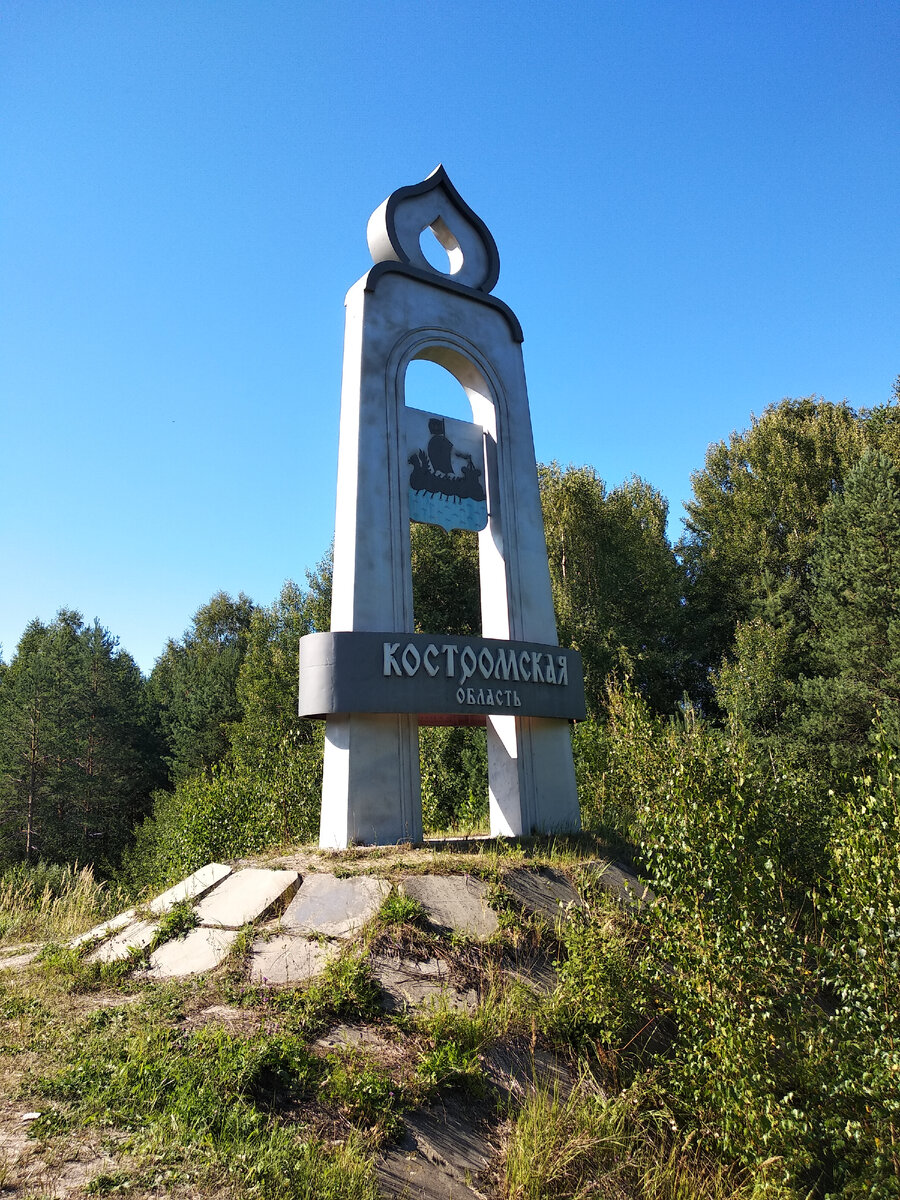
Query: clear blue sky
[[695, 205]]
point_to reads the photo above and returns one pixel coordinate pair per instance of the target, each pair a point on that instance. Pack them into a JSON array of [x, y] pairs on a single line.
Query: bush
[[859, 1051], [250, 802], [453, 765]]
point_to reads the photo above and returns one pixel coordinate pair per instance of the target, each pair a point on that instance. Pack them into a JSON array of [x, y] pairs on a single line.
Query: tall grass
[[51, 901], [588, 1145]]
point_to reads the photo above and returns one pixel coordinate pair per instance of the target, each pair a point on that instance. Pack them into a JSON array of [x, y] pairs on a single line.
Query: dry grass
[[53, 903]]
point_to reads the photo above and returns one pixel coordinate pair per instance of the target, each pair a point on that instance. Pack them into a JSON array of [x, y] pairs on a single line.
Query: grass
[[615, 1148], [48, 902], [193, 1105]]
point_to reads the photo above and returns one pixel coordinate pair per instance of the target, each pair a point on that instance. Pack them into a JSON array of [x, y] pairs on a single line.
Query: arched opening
[[447, 601], [432, 387]]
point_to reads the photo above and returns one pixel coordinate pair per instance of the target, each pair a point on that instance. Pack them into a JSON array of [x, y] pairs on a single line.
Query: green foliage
[[265, 790], [599, 996], [753, 524], [446, 590], [856, 610], [731, 847], [364, 1093], [399, 909], [76, 975], [616, 583], [178, 921], [858, 1053], [345, 991], [194, 683], [261, 796], [78, 756], [449, 1065], [752, 685], [753, 520], [453, 765], [207, 1097]]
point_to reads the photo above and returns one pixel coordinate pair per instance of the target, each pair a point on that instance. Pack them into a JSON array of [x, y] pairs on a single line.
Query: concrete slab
[[13, 961], [199, 950], [286, 958], [622, 884], [407, 983], [543, 892], [103, 931], [246, 896], [455, 902], [352, 1037], [334, 907], [412, 1177], [536, 971], [450, 1135], [514, 1069], [192, 888], [135, 936]]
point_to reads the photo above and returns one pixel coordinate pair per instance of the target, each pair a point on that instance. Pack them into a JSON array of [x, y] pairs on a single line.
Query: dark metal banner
[[437, 674]]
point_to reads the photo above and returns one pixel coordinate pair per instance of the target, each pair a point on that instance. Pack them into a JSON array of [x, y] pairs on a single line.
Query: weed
[[399, 909], [178, 921], [344, 991], [364, 1093], [108, 1184], [79, 975], [588, 1145]]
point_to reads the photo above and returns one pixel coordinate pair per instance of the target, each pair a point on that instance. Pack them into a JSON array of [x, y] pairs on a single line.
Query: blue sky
[[695, 205]]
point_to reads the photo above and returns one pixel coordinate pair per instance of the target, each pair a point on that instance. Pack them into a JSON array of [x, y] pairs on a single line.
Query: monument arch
[[372, 677]]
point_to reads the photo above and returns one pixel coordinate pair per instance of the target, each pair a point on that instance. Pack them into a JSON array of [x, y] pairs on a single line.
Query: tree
[[194, 683], [616, 583], [446, 589], [752, 524], [78, 758], [855, 608]]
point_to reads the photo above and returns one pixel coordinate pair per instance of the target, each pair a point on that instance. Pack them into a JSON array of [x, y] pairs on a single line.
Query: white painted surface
[[192, 888], [371, 787], [199, 950], [245, 896]]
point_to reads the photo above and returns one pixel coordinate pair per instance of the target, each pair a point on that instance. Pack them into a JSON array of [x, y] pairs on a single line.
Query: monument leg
[[531, 777], [371, 784]]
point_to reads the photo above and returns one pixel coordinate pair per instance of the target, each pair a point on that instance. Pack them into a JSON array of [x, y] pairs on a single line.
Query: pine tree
[[78, 758]]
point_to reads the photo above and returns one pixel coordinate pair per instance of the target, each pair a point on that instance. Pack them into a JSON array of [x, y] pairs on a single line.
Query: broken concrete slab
[[103, 931], [543, 892], [199, 950], [455, 902], [622, 884], [286, 958], [136, 936], [410, 1176], [535, 971], [409, 982], [192, 888], [334, 907], [517, 1070], [246, 896], [449, 1134]]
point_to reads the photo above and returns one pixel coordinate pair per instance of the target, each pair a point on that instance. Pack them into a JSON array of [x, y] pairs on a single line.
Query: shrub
[[247, 803]]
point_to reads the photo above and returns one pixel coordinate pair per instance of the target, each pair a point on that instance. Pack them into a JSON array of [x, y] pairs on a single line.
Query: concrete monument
[[372, 678]]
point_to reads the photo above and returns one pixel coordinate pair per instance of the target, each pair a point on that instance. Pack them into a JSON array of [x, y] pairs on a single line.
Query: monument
[[372, 678]]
